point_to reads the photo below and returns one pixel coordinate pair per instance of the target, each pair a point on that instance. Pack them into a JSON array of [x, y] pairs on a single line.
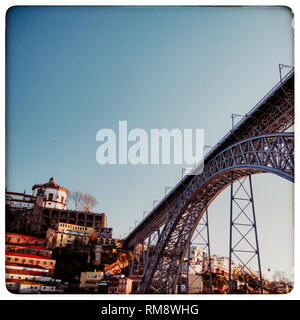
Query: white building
[[90, 280], [32, 287], [48, 195], [51, 195], [19, 200]]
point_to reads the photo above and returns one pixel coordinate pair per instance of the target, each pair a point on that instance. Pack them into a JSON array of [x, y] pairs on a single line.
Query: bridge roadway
[[273, 113]]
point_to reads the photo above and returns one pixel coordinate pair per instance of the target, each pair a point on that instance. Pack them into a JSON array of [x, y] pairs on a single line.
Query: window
[[50, 197], [62, 199]]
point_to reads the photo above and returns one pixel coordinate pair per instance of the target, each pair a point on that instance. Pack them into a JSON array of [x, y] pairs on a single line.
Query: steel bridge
[[258, 143]]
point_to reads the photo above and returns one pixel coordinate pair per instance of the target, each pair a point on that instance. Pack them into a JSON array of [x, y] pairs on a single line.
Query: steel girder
[[244, 246], [199, 239], [267, 153], [274, 113]]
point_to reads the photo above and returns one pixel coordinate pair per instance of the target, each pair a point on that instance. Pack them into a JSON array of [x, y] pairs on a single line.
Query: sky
[[72, 71]]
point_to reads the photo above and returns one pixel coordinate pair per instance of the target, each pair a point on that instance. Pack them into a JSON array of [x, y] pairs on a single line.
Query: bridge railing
[[252, 110]]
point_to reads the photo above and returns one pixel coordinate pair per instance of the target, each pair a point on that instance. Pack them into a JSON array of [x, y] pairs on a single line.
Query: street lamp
[[154, 202], [233, 116], [282, 66], [166, 189], [183, 171], [206, 146]]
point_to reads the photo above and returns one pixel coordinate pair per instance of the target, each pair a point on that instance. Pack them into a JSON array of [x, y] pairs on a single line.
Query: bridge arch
[[271, 153]]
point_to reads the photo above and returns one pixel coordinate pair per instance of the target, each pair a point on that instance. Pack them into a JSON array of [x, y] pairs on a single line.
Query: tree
[[77, 197], [89, 201]]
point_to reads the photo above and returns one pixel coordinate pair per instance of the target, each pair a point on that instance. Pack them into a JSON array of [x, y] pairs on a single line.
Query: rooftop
[[23, 236], [24, 266], [24, 245], [25, 255], [50, 184]]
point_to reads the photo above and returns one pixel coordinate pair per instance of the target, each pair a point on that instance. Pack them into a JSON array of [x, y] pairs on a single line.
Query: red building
[[15, 238]]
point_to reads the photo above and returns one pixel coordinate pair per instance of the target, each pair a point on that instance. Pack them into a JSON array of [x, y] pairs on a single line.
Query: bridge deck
[[273, 113]]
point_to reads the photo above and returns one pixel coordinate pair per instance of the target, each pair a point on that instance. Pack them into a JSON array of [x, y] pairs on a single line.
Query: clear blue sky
[[74, 70]]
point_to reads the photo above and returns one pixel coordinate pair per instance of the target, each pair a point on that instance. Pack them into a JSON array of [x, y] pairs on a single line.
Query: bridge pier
[[199, 251], [243, 243], [142, 253]]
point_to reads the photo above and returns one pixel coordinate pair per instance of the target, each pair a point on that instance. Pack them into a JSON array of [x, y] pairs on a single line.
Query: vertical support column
[[148, 249], [208, 249], [256, 237], [144, 255], [243, 243], [184, 273], [160, 265], [200, 242], [185, 262], [230, 234], [133, 261]]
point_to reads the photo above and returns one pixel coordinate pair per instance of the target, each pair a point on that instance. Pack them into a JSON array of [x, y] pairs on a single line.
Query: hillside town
[[52, 249]]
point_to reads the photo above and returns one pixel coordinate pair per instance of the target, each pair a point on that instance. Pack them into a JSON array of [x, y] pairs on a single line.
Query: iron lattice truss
[[273, 114], [196, 264], [244, 246], [267, 153]]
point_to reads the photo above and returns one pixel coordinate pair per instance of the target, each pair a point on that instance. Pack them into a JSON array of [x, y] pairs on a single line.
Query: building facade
[[29, 249], [29, 260], [67, 234], [19, 200], [120, 285], [46, 208], [125, 286], [15, 238], [90, 280]]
